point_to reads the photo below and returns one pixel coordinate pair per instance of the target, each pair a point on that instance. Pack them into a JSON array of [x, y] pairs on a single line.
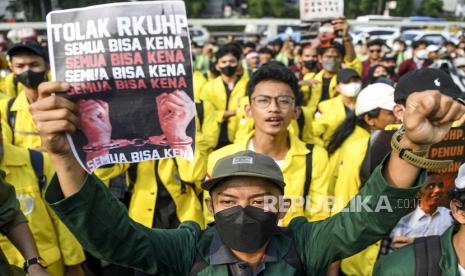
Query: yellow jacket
[[316, 91], [347, 164], [9, 87], [55, 242], [331, 113], [214, 93], [25, 133], [146, 188], [305, 89], [294, 171], [198, 81]]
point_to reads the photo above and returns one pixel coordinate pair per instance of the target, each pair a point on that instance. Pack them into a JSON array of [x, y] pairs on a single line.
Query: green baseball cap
[[245, 163]]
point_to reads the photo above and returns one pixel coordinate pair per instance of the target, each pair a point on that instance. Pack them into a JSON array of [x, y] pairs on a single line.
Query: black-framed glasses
[[263, 101]]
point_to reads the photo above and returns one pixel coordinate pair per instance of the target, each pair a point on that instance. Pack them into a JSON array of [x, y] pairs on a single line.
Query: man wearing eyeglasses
[[374, 57], [274, 99]]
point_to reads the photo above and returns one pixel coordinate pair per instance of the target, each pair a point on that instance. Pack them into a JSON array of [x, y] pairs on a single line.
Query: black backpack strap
[[199, 262], [11, 118], [292, 258], [301, 124], [427, 256], [184, 184], [37, 161], [308, 172], [200, 112]]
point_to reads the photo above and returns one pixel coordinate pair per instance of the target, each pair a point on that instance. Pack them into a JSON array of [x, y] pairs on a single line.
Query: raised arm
[[95, 217], [375, 210]]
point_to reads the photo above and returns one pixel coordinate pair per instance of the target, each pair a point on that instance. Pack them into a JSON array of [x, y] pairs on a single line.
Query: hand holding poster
[[130, 71], [316, 17]]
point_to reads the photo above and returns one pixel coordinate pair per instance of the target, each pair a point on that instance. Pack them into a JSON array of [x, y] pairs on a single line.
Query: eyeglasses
[[283, 102], [375, 51]]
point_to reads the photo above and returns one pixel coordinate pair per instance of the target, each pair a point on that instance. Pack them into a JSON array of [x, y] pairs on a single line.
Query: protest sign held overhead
[[129, 67], [316, 17]]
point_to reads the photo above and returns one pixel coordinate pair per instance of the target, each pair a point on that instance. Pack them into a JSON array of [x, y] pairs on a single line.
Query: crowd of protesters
[[310, 107]]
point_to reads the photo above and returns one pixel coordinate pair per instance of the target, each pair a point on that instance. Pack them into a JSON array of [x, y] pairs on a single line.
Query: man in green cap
[[246, 189]]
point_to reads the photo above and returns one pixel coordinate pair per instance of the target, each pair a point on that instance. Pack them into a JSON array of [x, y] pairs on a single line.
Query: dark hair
[[266, 50], [347, 127], [448, 42], [372, 79], [338, 46], [275, 71], [230, 48], [416, 44], [373, 42], [302, 48], [250, 45]]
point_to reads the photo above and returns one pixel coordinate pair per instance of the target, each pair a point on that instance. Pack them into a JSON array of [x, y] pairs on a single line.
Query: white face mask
[[396, 47], [421, 54], [350, 89]]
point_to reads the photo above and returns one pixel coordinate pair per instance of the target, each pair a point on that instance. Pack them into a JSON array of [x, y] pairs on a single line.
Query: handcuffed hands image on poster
[[129, 67], [316, 17]]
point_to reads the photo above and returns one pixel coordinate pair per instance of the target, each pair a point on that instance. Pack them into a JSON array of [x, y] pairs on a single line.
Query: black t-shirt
[[325, 89]]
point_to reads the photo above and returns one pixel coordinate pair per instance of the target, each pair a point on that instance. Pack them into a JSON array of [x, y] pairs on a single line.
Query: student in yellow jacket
[[272, 91], [59, 249], [164, 192], [331, 113], [223, 94], [29, 65], [373, 112], [332, 58]]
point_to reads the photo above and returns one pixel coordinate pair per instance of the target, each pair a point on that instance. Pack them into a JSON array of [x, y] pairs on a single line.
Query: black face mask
[[30, 78], [228, 70], [310, 64], [246, 229]]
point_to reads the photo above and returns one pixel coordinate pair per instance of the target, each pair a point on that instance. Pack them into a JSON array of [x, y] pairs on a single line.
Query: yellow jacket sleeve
[[319, 189], [355, 64], [7, 132], [71, 250]]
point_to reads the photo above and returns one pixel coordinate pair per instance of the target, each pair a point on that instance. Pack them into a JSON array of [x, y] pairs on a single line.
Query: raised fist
[[429, 115], [175, 112]]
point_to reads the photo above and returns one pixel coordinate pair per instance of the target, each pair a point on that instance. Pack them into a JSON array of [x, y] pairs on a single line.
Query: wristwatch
[[416, 158], [33, 261]]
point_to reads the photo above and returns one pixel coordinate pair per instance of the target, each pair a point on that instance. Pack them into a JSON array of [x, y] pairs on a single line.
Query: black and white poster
[[130, 70]]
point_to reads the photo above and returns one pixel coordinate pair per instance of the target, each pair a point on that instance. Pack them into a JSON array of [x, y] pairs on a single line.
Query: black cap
[[245, 163], [426, 79], [31, 46], [346, 74], [389, 57]]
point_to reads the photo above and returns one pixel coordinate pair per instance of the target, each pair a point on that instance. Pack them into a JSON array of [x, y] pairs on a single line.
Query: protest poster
[[130, 70], [452, 147], [316, 17]]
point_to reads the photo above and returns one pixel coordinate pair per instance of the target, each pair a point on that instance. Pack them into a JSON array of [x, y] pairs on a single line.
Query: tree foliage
[[431, 8]]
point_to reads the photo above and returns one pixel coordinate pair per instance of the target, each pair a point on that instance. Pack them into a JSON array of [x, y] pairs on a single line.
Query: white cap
[[378, 95], [460, 180], [432, 48]]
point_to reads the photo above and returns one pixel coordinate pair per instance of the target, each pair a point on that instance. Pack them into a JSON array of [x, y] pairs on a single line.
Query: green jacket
[[100, 222], [402, 262], [10, 216]]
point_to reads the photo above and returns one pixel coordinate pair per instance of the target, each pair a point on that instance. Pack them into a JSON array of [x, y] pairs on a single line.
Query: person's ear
[[457, 213], [209, 204], [369, 121], [320, 59], [248, 110], [338, 88], [398, 111], [284, 208], [297, 112]]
